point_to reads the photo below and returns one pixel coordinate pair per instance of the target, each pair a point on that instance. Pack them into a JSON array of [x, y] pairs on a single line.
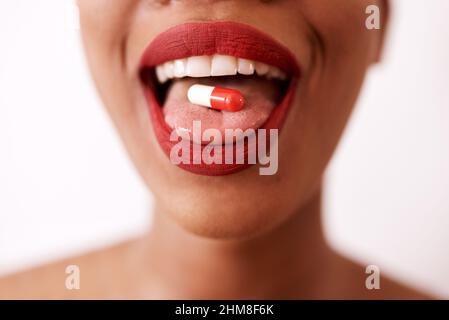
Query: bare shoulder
[[372, 284], [100, 273]]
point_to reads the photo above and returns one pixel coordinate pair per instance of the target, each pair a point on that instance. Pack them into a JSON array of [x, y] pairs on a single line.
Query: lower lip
[[163, 132]]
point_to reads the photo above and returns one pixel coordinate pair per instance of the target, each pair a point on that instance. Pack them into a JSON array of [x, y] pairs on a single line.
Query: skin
[[203, 243]]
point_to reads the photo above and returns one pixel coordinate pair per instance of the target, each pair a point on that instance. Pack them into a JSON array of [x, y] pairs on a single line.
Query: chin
[[229, 207], [233, 222]]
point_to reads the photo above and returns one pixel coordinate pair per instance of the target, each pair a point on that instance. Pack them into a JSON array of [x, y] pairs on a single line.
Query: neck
[[284, 262]]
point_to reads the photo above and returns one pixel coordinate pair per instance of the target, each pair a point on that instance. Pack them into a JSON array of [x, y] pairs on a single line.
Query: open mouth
[[216, 54]]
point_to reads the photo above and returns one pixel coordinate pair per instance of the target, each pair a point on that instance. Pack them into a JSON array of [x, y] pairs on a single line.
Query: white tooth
[[245, 66], [282, 75], [262, 68], [180, 68], [276, 73], [198, 66], [223, 65], [271, 74], [169, 69], [160, 74]]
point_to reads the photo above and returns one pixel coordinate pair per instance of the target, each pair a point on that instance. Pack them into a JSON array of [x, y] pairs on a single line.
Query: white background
[[66, 184]]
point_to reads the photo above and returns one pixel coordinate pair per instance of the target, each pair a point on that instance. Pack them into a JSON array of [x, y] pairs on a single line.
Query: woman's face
[[327, 39]]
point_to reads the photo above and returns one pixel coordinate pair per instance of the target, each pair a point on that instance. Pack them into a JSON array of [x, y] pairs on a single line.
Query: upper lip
[[226, 38]]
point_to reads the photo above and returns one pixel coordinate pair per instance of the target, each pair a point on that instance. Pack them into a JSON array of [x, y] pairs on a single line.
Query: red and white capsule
[[216, 98]]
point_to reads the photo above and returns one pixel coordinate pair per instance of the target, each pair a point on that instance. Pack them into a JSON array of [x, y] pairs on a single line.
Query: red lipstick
[[206, 39]]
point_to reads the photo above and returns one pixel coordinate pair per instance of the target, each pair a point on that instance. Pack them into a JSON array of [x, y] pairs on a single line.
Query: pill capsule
[[216, 97]]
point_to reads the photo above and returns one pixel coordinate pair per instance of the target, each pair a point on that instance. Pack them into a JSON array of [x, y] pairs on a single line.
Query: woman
[[225, 230]]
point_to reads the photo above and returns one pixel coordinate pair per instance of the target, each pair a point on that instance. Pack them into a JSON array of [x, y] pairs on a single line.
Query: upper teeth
[[216, 65]]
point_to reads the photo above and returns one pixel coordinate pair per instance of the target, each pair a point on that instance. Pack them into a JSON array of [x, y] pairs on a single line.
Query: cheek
[[104, 32], [341, 25], [327, 92], [104, 29]]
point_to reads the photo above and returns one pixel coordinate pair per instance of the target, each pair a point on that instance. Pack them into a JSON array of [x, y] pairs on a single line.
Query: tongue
[[261, 96]]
